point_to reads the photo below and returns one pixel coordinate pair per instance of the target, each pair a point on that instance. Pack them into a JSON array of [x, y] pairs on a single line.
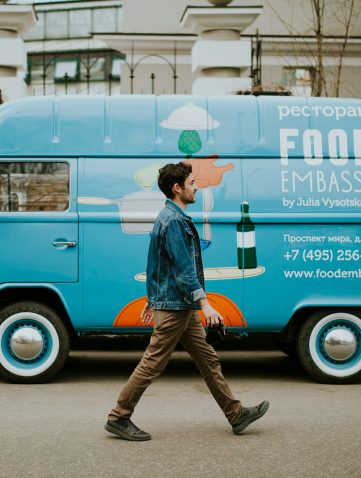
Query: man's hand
[[147, 315], [213, 318]]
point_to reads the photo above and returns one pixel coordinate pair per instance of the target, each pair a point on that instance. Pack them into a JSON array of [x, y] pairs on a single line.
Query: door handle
[[64, 243]]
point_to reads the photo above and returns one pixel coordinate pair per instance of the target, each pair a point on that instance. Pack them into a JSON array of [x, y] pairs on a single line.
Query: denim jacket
[[175, 279]]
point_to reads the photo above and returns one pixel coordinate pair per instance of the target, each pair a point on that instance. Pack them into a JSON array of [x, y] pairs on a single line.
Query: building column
[[220, 56], [15, 20]]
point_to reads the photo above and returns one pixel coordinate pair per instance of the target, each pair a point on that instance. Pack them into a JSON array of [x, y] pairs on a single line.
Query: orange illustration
[[206, 173], [230, 312], [129, 316]]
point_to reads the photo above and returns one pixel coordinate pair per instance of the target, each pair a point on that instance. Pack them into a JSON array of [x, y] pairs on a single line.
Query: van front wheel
[[329, 347], [34, 343]]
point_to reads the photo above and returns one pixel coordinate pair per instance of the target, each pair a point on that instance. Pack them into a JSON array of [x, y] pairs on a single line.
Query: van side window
[[34, 186]]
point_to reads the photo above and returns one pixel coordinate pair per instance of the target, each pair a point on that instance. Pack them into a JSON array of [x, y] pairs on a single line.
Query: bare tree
[[347, 13], [343, 13], [318, 11]]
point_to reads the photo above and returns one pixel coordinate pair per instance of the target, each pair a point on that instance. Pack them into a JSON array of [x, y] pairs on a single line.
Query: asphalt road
[[56, 429]]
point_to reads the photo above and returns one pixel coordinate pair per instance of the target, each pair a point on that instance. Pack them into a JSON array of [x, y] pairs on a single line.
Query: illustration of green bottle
[[246, 240]]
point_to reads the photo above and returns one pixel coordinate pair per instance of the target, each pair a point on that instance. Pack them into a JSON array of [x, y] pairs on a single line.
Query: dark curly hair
[[171, 174]]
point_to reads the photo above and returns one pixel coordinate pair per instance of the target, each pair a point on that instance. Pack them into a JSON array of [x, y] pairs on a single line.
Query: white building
[[180, 46]]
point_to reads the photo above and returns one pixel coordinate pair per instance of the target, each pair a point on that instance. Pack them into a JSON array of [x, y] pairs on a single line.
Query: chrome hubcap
[[27, 343], [340, 344]]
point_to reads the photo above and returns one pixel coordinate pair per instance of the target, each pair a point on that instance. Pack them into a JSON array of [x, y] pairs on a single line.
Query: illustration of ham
[[206, 173]]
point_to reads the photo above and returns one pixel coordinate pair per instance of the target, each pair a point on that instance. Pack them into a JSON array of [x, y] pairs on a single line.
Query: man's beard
[[189, 200]]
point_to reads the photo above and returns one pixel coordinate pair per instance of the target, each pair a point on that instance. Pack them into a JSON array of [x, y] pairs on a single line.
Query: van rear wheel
[[34, 343], [329, 347]]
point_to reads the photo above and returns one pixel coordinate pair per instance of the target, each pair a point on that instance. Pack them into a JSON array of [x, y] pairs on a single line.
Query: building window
[[94, 67], [56, 24], [299, 80], [105, 20], [66, 70], [79, 67], [80, 23], [75, 23], [297, 76], [116, 67], [34, 186]]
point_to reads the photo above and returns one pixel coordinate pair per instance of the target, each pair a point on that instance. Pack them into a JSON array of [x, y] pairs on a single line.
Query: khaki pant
[[171, 326]]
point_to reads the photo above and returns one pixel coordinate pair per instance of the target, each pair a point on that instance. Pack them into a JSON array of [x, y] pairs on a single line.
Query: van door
[[38, 220], [116, 198], [118, 201]]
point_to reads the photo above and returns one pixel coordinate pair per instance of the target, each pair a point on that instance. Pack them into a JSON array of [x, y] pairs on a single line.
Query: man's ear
[[176, 189]]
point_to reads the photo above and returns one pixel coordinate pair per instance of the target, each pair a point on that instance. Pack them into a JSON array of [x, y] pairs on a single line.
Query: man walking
[[175, 289]]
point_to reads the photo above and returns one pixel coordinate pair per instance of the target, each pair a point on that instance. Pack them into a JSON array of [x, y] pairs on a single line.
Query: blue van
[[278, 213]]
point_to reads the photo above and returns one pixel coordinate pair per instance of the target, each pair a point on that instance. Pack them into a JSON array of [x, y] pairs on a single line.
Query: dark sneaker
[[126, 429], [249, 415]]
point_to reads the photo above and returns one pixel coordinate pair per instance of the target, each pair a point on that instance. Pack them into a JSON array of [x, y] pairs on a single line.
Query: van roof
[[168, 125]]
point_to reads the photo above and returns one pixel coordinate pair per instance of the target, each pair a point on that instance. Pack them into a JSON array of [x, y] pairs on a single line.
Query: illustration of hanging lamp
[[190, 119]]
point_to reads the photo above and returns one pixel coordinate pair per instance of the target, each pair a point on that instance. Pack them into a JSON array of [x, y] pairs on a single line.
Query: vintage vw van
[[278, 213]]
